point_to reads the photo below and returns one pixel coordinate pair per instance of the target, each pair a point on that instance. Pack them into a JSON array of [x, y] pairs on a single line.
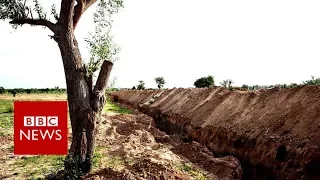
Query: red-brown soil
[[274, 133], [154, 154]]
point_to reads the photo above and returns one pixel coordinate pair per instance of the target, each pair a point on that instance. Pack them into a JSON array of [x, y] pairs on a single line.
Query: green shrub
[[141, 85], [245, 86], [204, 82], [13, 92], [312, 81], [2, 90]]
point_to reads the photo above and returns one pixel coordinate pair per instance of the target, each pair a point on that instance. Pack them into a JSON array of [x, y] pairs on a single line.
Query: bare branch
[[37, 22], [78, 11], [80, 8]]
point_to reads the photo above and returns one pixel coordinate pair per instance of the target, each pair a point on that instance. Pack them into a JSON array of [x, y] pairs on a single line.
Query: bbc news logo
[[40, 128], [40, 121]]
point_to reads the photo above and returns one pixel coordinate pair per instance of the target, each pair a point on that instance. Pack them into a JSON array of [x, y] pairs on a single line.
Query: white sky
[[251, 42]]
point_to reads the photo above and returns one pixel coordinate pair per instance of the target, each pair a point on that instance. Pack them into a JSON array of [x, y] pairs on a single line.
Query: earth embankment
[[274, 133]]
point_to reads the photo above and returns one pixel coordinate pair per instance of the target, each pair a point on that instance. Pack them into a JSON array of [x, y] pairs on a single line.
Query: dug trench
[[275, 133]]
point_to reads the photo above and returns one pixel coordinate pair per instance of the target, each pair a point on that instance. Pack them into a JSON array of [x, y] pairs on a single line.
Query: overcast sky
[[251, 42]]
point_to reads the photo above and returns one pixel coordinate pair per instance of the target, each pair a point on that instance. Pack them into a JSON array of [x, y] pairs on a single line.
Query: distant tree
[[28, 91], [293, 85], [2, 90], [283, 86], [245, 86], [312, 81], [13, 92], [204, 82], [141, 85], [133, 88], [227, 83], [160, 81]]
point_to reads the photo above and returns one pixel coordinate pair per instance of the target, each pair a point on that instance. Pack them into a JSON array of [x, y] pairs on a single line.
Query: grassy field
[[35, 167], [113, 108], [6, 117]]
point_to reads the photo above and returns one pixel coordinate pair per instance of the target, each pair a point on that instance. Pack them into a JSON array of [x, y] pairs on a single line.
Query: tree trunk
[[82, 114]]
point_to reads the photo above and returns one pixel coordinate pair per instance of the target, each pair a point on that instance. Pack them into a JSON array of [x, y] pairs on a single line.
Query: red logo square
[[40, 127]]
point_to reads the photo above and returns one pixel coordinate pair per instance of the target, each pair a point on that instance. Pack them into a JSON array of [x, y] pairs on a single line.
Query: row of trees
[[228, 83], [199, 83], [32, 90], [159, 80]]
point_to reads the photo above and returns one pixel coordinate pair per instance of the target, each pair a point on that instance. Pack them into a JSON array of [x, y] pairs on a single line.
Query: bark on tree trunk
[[84, 107]]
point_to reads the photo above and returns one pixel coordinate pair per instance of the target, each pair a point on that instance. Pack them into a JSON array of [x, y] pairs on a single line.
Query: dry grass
[[34, 97]]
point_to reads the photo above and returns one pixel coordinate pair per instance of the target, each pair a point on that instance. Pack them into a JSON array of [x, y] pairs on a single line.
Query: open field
[[128, 146]]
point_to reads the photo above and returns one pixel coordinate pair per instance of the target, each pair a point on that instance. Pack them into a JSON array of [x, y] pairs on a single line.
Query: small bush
[[245, 86], [312, 81], [293, 85]]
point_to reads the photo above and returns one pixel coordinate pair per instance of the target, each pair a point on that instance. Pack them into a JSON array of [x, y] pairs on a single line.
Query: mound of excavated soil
[[148, 153], [274, 133]]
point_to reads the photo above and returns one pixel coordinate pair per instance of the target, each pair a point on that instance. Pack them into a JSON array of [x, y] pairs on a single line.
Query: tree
[[28, 91], [245, 86], [312, 81], [204, 82], [227, 83], [2, 90], [140, 86], [85, 101], [13, 92], [160, 81]]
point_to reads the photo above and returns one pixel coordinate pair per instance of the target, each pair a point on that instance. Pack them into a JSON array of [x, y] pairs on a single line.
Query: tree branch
[[37, 22], [103, 77], [98, 98], [66, 13], [80, 8]]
